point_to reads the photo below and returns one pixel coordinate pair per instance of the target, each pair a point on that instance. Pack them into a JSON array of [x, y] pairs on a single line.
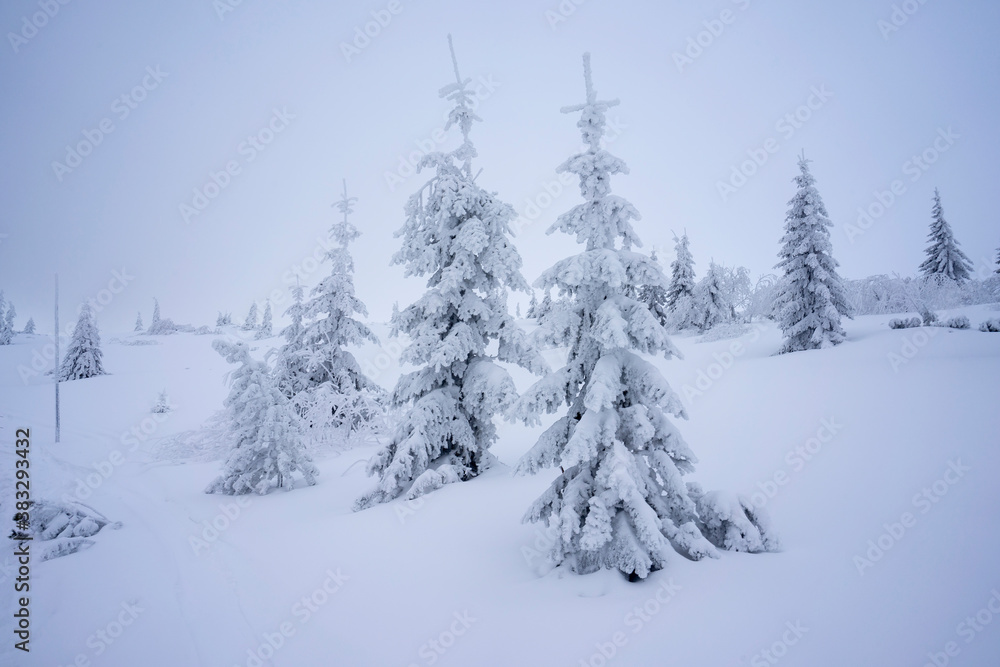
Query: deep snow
[[457, 568]]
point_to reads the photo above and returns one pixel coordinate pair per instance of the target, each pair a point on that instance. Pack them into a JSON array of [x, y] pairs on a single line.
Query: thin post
[[55, 370]]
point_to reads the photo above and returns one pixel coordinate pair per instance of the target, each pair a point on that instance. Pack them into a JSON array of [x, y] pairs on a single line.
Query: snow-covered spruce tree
[[945, 260], [156, 315], [457, 234], [291, 368], [264, 330], [620, 501], [336, 383], [681, 273], [655, 297], [29, 328], [83, 358], [810, 299], [9, 318], [267, 450], [139, 327], [250, 324], [6, 333], [712, 304]]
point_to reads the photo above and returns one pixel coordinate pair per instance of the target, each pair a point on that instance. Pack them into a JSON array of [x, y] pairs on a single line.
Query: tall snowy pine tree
[[83, 356], [620, 501], [29, 328], [655, 297], [347, 397], [457, 234], [138, 323], [264, 330], [250, 324], [811, 298], [267, 449], [944, 258], [291, 369], [711, 306]]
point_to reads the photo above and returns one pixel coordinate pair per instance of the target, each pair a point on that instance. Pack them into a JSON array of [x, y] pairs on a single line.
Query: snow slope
[[454, 578]]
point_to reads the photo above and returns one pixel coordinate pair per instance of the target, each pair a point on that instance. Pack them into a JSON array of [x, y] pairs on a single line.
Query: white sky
[[681, 133]]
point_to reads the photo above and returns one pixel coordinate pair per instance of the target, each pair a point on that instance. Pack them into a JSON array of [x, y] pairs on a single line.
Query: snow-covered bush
[[992, 326], [905, 323], [960, 322], [732, 523], [266, 440], [162, 403]]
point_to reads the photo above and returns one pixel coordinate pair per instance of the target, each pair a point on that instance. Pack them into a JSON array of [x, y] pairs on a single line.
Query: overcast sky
[[201, 77]]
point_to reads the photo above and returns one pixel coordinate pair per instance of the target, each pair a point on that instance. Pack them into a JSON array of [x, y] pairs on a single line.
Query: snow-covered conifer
[[264, 330], [29, 328], [353, 399], [250, 324], [162, 403], [712, 305], [9, 318], [291, 368], [945, 260], [6, 333], [156, 314], [457, 234], [811, 297], [655, 297], [681, 273], [620, 501], [266, 439], [138, 323], [83, 358]]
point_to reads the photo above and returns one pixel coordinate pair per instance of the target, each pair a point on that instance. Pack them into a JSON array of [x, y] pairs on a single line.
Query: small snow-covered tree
[[620, 501], [138, 323], [457, 234], [250, 324], [29, 328], [998, 261], [84, 357], [6, 333], [291, 368], [336, 380], [9, 318], [156, 314], [266, 440], [811, 298], [945, 260], [681, 273], [655, 298], [265, 328], [162, 403], [712, 303]]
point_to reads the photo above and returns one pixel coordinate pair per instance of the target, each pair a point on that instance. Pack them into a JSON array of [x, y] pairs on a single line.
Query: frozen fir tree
[[267, 450], [291, 368], [945, 260], [29, 328], [998, 261], [620, 501], [162, 403], [265, 328], [138, 323], [810, 299], [83, 358], [457, 234], [250, 324], [156, 315], [348, 397], [655, 297], [9, 318], [712, 304], [6, 333], [681, 274]]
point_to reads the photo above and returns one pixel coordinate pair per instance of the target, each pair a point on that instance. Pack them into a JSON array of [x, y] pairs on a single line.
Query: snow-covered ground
[[878, 461]]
